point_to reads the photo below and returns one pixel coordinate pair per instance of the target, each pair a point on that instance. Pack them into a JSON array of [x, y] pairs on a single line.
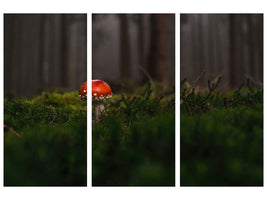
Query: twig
[[187, 92], [53, 119], [188, 108], [149, 78], [198, 77], [11, 130], [147, 74]]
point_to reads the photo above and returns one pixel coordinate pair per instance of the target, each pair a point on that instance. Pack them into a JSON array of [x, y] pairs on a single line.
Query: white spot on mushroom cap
[[101, 98]]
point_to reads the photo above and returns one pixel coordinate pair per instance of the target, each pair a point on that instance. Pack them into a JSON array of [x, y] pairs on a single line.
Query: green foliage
[[197, 103], [223, 145], [66, 100], [134, 145], [45, 141]]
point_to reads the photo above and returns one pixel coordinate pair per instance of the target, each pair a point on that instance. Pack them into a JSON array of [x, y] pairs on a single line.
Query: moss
[[134, 145], [45, 141], [222, 139]]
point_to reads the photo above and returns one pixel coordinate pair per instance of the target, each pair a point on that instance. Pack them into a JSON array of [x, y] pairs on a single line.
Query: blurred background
[[47, 51], [226, 45], [44, 52], [134, 47]]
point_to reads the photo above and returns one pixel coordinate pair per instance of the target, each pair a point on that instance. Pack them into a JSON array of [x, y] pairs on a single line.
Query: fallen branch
[[11, 130]]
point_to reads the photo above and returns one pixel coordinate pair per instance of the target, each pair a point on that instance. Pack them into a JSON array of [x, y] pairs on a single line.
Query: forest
[[45, 118], [133, 121], [221, 100]]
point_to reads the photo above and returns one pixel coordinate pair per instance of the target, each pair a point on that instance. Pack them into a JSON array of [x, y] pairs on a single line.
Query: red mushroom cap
[[83, 91], [100, 90]]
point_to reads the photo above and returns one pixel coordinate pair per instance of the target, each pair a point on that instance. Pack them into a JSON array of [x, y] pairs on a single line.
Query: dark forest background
[[226, 45], [44, 52], [134, 47], [47, 51]]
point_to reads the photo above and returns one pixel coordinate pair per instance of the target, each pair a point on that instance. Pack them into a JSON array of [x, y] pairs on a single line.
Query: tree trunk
[[233, 50], [141, 43], [125, 51], [159, 48]]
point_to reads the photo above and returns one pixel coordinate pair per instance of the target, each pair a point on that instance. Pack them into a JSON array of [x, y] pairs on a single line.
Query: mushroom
[[101, 91], [83, 91]]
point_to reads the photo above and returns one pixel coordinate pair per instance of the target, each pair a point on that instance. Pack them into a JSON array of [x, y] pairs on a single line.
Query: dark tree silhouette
[[125, 49], [44, 51], [141, 42], [159, 48], [246, 47]]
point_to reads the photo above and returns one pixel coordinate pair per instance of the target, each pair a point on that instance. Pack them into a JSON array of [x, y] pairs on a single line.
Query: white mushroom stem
[[98, 108]]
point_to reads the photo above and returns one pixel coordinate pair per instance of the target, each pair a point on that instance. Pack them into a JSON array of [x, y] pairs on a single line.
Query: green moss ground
[[134, 145], [45, 140], [222, 138]]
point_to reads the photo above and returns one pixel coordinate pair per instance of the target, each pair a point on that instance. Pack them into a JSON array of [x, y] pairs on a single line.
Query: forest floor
[[222, 137], [45, 140], [134, 144]]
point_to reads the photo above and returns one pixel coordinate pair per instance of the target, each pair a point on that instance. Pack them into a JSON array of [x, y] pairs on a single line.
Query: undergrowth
[[45, 140], [134, 145], [221, 136]]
